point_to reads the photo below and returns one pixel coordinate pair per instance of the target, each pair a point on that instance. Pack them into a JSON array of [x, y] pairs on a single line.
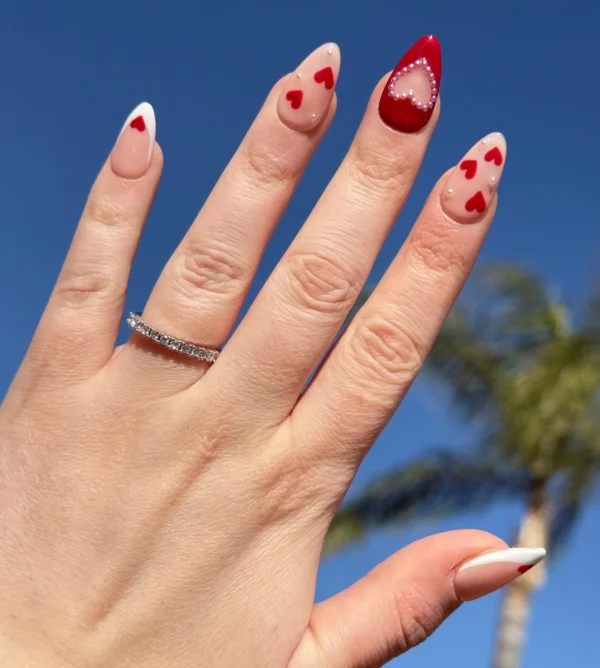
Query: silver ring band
[[136, 323]]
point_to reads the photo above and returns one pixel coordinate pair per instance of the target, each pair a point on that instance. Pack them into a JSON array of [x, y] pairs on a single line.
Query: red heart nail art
[[295, 98], [495, 155], [138, 123], [470, 167], [403, 108], [476, 203], [325, 76]]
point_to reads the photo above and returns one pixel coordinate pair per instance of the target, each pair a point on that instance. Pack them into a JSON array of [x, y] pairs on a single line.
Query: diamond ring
[[136, 323]]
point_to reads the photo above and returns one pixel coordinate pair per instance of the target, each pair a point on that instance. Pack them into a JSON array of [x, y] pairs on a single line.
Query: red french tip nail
[[411, 92]]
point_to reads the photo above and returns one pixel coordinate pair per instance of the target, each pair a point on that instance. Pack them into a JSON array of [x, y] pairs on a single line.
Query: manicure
[[490, 571], [307, 93], [471, 186], [411, 92], [132, 153]]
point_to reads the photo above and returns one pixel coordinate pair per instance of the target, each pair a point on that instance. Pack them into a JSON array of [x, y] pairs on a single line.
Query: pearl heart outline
[[420, 63]]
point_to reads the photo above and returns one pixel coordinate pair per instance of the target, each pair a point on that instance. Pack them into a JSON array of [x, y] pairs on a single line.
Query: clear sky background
[[70, 72]]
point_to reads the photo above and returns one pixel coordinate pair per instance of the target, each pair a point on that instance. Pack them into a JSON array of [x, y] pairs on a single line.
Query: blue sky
[[70, 72]]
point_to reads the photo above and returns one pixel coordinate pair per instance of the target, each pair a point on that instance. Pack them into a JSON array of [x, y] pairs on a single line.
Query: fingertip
[[305, 98], [493, 569], [132, 154]]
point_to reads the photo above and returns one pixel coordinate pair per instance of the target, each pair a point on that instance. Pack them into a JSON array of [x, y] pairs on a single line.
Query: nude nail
[[490, 571], [132, 152], [307, 93], [472, 184]]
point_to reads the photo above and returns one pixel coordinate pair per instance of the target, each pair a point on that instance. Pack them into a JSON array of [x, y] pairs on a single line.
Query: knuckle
[[435, 247], [381, 169], [416, 619], [271, 166], [211, 269], [75, 288], [322, 284], [108, 211], [384, 349]]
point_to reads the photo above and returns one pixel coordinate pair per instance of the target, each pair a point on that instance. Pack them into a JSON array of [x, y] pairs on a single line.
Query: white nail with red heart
[[492, 570]]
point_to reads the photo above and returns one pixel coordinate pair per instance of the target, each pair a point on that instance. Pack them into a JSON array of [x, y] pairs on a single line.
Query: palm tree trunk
[[516, 605]]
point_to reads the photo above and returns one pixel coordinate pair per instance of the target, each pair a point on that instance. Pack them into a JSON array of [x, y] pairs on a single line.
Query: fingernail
[[471, 185], [493, 570], [411, 92], [307, 93], [132, 152]]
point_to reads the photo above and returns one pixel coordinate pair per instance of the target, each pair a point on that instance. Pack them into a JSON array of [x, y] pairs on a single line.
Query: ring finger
[[202, 288], [375, 361]]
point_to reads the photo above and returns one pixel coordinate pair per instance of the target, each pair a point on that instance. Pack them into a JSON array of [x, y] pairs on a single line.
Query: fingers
[[402, 601], [306, 299], [83, 316], [202, 288], [378, 357]]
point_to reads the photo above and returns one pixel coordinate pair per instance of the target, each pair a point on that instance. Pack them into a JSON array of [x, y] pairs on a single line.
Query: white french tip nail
[[522, 556], [146, 111]]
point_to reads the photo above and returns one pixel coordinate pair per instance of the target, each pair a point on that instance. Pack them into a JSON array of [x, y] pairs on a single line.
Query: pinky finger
[[78, 330]]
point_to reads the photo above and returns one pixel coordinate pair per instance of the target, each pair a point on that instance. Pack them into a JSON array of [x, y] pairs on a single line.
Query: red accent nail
[[138, 123], [411, 92]]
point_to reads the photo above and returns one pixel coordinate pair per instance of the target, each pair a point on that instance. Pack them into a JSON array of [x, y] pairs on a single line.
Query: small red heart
[[495, 155], [470, 167], [138, 123], [295, 97], [325, 76], [476, 203], [524, 569]]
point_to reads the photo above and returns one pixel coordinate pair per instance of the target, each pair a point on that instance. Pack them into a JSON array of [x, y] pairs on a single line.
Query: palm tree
[[526, 373]]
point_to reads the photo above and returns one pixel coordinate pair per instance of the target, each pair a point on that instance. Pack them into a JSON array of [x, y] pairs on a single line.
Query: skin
[[158, 512]]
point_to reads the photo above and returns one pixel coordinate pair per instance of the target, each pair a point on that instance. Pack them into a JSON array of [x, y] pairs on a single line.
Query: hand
[[157, 511]]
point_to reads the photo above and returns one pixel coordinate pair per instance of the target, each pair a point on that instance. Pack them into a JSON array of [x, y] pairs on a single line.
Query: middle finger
[[304, 302]]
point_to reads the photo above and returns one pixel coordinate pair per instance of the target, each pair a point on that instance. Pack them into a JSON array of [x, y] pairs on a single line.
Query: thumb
[[403, 600]]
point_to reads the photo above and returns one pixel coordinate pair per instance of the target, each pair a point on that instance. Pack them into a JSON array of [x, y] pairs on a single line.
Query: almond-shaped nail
[[307, 93], [411, 92], [490, 571], [132, 153], [471, 186]]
